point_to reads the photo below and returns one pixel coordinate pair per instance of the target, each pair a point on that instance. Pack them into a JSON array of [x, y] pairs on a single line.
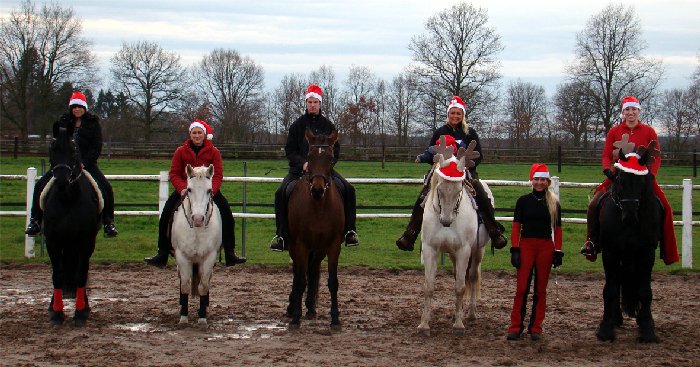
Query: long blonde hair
[[552, 202]]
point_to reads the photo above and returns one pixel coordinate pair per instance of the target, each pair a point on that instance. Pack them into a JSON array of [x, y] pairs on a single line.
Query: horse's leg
[[313, 275], [611, 299], [300, 266], [81, 310], [461, 261], [333, 285], [184, 269], [430, 264], [645, 320], [473, 281], [206, 270], [56, 306]]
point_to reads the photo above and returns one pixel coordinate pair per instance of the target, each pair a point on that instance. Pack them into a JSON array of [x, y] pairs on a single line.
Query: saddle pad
[[91, 180]]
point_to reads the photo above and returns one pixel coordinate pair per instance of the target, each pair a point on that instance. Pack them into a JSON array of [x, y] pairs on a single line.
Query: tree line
[[152, 96]]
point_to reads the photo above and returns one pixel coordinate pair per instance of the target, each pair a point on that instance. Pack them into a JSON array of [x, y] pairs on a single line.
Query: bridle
[[187, 211], [455, 210], [617, 200], [310, 177], [70, 168]]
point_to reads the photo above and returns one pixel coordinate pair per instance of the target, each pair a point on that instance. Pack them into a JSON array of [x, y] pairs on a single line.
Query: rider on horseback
[[197, 151], [87, 134], [296, 150], [459, 133], [640, 134]]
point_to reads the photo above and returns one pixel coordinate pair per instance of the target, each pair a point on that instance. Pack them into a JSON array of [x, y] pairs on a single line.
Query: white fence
[[163, 192]]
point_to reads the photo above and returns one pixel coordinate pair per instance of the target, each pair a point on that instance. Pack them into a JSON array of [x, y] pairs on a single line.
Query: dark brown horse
[[316, 222]]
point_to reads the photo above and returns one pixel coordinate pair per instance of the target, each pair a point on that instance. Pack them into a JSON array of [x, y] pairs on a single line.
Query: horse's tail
[[196, 277], [629, 289]]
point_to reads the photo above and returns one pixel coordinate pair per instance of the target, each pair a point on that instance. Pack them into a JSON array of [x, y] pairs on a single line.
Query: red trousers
[[536, 256], [670, 248]]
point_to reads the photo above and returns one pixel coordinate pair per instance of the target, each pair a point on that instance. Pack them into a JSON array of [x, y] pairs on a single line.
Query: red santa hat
[[79, 99], [209, 130], [629, 101], [631, 165], [539, 170], [449, 141], [314, 91], [450, 172], [456, 102], [200, 124]]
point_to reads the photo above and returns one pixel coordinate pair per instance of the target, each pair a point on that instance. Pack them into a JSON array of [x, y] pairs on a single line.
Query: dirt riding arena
[[135, 313]]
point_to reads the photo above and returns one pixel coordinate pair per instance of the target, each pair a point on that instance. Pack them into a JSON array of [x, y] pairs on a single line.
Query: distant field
[[138, 234]]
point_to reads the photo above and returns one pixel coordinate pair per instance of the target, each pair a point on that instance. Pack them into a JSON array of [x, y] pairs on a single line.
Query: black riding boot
[[36, 214], [350, 209], [279, 242], [590, 248], [228, 238], [164, 245], [408, 239], [487, 211]]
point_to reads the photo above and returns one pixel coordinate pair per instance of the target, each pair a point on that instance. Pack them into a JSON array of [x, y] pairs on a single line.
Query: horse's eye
[[209, 191], [189, 190]]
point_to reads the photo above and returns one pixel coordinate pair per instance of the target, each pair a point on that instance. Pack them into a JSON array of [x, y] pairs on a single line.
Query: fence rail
[[163, 192]]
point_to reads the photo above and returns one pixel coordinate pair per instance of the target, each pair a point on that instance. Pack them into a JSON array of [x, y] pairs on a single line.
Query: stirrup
[[277, 244], [33, 228], [351, 238], [588, 248]]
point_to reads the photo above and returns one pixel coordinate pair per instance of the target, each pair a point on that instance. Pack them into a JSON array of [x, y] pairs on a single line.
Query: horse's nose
[[317, 193], [445, 223], [198, 220]]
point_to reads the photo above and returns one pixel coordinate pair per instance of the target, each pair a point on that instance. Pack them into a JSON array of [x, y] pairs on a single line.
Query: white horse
[[196, 238], [451, 225]]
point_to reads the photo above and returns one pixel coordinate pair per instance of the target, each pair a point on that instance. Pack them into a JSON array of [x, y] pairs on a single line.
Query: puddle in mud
[[143, 327], [259, 329]]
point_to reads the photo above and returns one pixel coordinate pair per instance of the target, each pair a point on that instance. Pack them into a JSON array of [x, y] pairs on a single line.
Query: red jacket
[[641, 135], [184, 154]]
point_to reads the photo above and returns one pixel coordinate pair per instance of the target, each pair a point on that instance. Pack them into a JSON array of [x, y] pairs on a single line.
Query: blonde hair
[[465, 125], [552, 202]]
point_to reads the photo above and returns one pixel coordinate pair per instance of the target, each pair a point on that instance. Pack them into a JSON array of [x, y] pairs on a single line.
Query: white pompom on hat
[[456, 102], [77, 98]]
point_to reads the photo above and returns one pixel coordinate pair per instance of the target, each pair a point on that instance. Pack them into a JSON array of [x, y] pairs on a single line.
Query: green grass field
[[138, 235]]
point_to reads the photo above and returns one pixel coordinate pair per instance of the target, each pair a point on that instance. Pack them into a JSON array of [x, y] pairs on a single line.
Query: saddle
[[95, 188]]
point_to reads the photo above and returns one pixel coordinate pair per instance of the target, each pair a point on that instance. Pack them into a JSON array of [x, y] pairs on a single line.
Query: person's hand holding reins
[[306, 166]]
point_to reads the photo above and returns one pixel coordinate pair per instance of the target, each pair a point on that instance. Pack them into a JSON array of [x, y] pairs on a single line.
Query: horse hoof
[[293, 326], [605, 337], [80, 322], [457, 331], [311, 316], [202, 322], [336, 327], [183, 320], [424, 332], [648, 339], [57, 318]]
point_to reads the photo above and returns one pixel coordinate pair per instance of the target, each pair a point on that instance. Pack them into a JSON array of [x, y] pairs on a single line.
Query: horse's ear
[[188, 170], [333, 137], [210, 171], [309, 135]]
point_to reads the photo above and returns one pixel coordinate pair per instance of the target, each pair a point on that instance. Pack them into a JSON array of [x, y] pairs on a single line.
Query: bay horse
[[451, 225], [630, 229], [71, 207], [316, 222], [196, 238]]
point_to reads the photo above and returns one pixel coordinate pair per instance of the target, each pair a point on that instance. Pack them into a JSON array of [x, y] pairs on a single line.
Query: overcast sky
[[299, 36]]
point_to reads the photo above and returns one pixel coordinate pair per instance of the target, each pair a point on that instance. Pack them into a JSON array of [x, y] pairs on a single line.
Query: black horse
[[71, 223], [630, 230]]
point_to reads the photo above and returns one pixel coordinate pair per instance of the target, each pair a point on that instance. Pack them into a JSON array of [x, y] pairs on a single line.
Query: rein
[[71, 179], [207, 214]]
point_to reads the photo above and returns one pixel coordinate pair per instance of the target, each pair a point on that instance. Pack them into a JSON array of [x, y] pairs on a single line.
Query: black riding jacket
[[88, 137], [297, 148]]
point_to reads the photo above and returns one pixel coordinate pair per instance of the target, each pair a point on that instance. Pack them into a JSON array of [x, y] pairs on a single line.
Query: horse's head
[[65, 165], [199, 192], [632, 180], [448, 178], [320, 158]]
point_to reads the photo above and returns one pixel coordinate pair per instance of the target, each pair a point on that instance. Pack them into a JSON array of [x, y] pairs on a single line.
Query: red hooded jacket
[[184, 155]]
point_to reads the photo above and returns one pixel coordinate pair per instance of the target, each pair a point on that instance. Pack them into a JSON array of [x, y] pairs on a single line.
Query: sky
[[299, 36]]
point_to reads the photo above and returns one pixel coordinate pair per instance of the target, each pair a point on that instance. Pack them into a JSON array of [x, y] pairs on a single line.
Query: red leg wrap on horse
[[80, 299], [669, 235], [57, 300]]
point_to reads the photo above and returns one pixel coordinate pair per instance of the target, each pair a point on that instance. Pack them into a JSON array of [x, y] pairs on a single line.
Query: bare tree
[[403, 105], [457, 54], [677, 119], [575, 112], [233, 84], [324, 77], [527, 112], [42, 49], [361, 82], [609, 58], [152, 80], [289, 101]]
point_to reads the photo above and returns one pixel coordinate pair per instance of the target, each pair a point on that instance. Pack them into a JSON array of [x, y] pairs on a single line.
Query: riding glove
[[556, 261], [609, 174], [515, 257]]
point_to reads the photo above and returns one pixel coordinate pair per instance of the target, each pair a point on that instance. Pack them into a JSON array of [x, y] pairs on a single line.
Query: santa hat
[[631, 165], [79, 99], [539, 170], [199, 124], [208, 130], [450, 172], [314, 91], [449, 141], [456, 102], [629, 101]]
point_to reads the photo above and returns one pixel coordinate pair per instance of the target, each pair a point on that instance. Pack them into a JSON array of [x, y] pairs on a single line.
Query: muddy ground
[[135, 314]]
